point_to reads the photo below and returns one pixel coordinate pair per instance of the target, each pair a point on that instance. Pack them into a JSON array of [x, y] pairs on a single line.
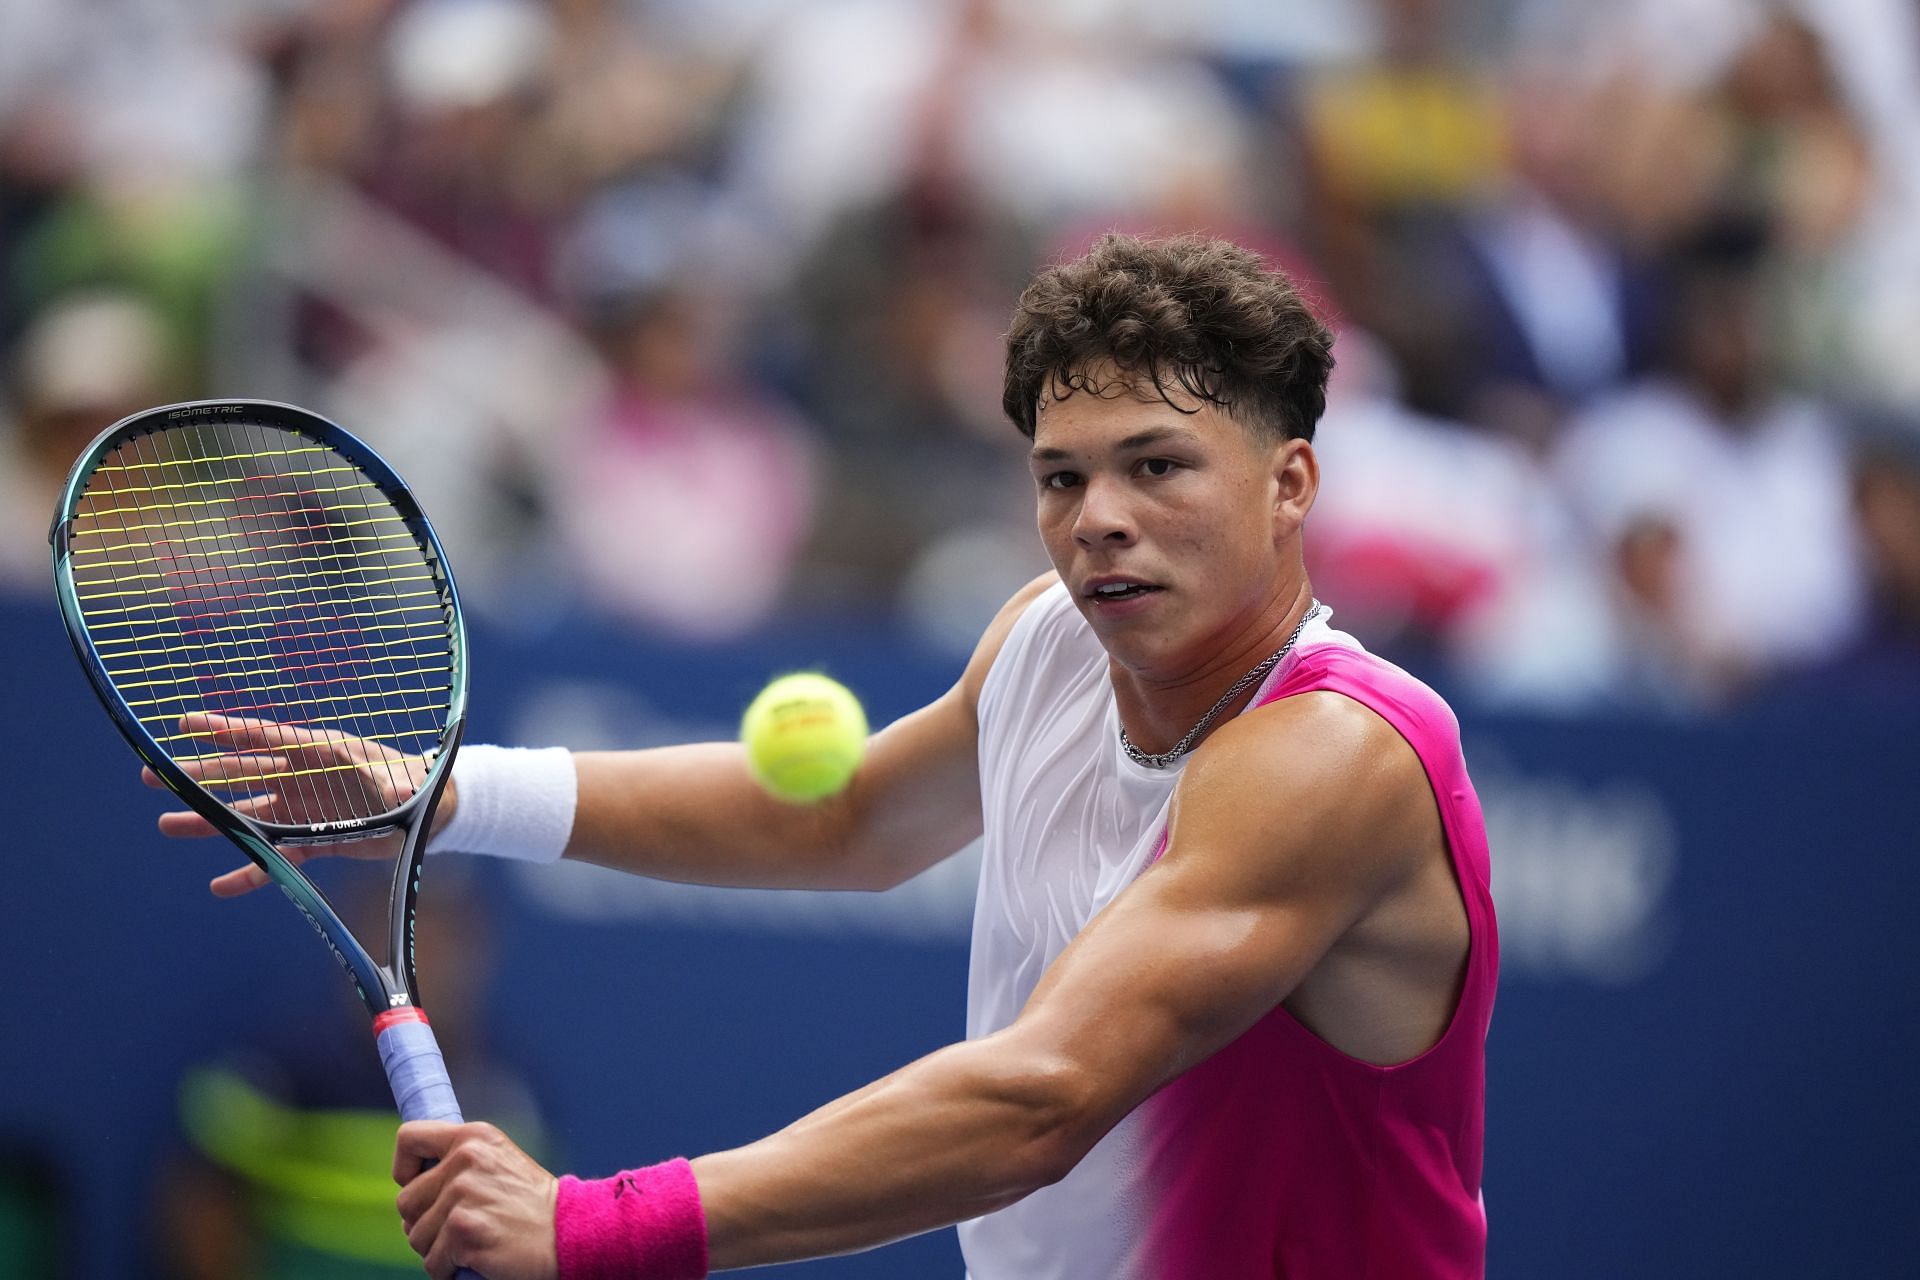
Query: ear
[[1296, 482]]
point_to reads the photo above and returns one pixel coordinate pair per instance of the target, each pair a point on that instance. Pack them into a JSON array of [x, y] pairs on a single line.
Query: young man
[[1234, 953]]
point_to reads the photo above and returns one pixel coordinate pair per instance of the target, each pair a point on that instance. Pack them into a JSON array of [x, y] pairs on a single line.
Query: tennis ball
[[804, 736]]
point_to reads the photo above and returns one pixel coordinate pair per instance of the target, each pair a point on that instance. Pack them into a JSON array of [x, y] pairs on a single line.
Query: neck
[[1157, 710]]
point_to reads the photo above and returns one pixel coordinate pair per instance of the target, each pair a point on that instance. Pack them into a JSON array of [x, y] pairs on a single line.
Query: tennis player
[[1234, 954]]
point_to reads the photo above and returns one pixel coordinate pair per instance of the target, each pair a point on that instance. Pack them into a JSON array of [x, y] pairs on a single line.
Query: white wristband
[[511, 802]]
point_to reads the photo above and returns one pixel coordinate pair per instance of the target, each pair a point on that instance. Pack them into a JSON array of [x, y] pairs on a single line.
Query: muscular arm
[[1287, 827], [1292, 825], [695, 814]]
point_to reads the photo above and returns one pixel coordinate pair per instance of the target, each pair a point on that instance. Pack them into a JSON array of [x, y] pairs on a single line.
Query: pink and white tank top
[[1279, 1155]]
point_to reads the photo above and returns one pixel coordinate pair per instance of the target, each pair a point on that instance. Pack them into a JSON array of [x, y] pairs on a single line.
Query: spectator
[[142, 135], [1717, 499], [1882, 666], [1545, 304], [1396, 145], [88, 360], [1479, 574], [691, 491], [1494, 192], [461, 159]]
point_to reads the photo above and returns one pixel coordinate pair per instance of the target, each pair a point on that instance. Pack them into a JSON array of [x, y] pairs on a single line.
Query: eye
[[1059, 480], [1157, 467]]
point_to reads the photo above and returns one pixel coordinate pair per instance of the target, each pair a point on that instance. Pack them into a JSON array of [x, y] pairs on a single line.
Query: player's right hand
[[381, 779]]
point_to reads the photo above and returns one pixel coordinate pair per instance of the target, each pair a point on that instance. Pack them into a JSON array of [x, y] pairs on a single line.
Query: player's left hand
[[486, 1205]]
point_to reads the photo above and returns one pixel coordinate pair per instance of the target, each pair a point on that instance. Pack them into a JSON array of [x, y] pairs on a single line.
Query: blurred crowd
[[691, 310]]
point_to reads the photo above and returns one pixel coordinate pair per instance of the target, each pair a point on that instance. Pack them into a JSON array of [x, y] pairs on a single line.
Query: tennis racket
[[265, 612]]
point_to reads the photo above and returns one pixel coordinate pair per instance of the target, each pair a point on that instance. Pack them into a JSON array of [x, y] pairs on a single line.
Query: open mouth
[[1115, 591]]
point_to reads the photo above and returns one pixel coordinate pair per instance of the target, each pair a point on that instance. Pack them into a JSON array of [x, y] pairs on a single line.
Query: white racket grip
[[411, 1056]]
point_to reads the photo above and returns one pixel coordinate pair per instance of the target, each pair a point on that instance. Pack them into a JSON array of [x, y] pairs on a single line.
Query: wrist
[[510, 802], [642, 1224]]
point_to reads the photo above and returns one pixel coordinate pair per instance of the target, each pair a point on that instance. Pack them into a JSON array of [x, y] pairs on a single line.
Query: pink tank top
[[1280, 1155]]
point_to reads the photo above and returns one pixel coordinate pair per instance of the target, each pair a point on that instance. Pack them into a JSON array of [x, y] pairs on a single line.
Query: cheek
[[1046, 518], [1056, 531], [1230, 542], [1209, 528]]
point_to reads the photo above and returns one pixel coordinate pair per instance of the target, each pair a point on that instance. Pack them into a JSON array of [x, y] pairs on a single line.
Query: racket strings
[[384, 673], [243, 570], [301, 498], [199, 584]]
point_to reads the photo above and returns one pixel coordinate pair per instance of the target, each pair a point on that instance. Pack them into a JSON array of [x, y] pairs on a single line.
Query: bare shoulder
[[916, 797], [1320, 779], [994, 638]]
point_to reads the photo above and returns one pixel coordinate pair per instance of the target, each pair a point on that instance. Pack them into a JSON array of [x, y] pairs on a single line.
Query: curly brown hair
[[1202, 314]]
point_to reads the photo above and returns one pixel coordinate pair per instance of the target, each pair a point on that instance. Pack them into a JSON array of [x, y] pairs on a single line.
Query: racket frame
[[381, 986]]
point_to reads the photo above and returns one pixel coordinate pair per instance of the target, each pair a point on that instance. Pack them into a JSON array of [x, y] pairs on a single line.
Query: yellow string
[[97, 513], [172, 717], [192, 589], [292, 684], [82, 530], [248, 552], [245, 674], [98, 620], [210, 537], [371, 711], [235, 500], [287, 773], [228, 457], [194, 484], [214, 660], [103, 614], [313, 745], [434, 624]]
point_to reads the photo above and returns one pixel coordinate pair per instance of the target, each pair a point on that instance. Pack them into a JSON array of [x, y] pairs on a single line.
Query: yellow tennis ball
[[804, 737]]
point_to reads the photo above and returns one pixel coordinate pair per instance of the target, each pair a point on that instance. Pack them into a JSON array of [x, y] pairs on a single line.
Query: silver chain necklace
[[1185, 744]]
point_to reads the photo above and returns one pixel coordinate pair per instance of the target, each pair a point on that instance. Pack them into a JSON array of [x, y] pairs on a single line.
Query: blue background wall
[[1701, 1059]]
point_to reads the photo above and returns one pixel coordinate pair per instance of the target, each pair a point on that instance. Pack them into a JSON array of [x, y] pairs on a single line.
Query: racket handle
[[412, 1058], [421, 1088]]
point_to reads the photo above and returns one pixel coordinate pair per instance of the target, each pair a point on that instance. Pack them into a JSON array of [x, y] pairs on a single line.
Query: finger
[[187, 823], [237, 770], [429, 1217], [271, 735], [244, 731], [308, 744], [238, 881], [419, 1143], [184, 823], [447, 1251], [417, 1199]]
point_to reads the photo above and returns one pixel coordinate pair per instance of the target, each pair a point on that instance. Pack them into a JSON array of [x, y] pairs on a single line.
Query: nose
[[1103, 518]]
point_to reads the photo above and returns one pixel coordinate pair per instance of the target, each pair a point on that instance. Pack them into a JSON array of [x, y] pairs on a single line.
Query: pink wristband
[[643, 1224]]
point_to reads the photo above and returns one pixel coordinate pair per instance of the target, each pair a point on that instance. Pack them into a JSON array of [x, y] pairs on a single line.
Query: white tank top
[[1070, 821]]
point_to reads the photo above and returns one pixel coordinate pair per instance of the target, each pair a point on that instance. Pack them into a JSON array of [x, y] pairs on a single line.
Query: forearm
[[964, 1131], [695, 814]]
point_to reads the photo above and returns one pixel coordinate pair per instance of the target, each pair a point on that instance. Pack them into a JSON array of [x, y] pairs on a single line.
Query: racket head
[[251, 559]]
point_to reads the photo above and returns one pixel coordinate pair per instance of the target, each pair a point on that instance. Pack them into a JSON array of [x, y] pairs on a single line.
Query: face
[[1176, 532]]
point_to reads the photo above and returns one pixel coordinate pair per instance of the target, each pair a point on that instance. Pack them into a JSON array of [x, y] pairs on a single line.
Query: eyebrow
[[1138, 440]]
